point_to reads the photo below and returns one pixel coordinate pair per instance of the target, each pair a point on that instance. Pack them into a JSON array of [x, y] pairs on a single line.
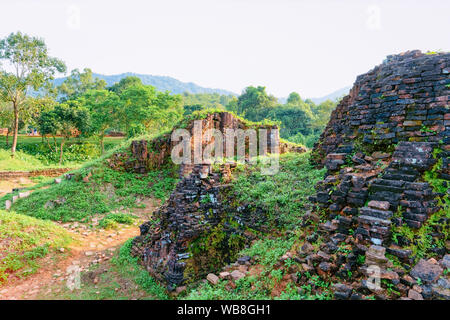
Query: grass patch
[[20, 162], [284, 194], [106, 190], [23, 240]]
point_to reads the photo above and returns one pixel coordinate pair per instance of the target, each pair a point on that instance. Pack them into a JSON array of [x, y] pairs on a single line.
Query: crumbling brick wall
[[392, 128], [386, 149], [198, 230]]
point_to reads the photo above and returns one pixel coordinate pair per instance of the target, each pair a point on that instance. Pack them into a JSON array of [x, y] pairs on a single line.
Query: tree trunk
[[15, 130], [7, 138], [61, 151]]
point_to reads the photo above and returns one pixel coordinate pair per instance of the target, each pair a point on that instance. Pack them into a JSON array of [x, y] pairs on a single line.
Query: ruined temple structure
[[197, 230], [148, 155], [386, 149]]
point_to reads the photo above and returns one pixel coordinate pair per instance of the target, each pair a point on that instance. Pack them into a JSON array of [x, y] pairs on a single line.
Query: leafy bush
[[111, 220]]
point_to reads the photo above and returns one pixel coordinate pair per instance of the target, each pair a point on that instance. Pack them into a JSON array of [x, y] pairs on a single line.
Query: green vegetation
[[300, 121], [21, 161], [23, 240], [105, 191], [28, 56], [284, 194], [111, 220], [34, 153]]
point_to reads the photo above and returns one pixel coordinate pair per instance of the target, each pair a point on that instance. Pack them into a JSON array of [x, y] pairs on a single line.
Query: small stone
[[24, 194], [414, 295], [61, 249], [58, 180], [307, 247], [243, 268], [342, 291], [8, 204], [427, 271], [88, 253], [180, 289], [224, 275], [212, 278], [236, 274], [243, 260], [380, 205]]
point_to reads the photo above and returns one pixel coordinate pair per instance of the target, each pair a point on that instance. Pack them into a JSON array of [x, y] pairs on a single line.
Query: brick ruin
[[381, 146], [148, 155], [197, 230]]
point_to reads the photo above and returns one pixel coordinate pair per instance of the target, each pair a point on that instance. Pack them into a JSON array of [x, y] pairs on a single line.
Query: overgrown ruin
[[386, 150], [197, 230]]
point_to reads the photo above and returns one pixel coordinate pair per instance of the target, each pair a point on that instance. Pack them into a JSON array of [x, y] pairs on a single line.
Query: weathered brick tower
[[386, 149]]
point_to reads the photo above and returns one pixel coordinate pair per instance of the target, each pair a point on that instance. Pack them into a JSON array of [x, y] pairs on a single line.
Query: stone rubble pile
[[383, 141]]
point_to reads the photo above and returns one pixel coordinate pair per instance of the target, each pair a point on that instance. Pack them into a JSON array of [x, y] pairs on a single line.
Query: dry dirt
[[91, 246]]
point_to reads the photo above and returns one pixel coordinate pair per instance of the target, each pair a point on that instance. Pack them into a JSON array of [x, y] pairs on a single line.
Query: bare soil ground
[[90, 253]]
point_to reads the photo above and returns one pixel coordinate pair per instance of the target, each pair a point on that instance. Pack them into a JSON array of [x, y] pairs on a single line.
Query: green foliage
[[200, 101], [107, 190], [111, 220], [128, 266], [145, 110], [79, 83], [299, 121], [33, 154], [268, 251]]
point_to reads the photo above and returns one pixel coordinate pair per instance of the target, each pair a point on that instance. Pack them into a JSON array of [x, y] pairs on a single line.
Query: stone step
[[379, 205], [365, 219], [380, 214]]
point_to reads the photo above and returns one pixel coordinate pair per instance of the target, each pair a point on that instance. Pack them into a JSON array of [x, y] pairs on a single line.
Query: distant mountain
[[332, 96], [162, 83]]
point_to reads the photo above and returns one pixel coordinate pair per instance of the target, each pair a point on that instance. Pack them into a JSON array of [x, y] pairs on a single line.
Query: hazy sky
[[312, 47]]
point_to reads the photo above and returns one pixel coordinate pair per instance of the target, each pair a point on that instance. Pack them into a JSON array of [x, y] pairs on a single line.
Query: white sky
[[312, 47]]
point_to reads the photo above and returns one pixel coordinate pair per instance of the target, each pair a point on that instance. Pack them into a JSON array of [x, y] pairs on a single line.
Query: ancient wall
[[198, 230], [381, 139], [386, 149], [147, 155]]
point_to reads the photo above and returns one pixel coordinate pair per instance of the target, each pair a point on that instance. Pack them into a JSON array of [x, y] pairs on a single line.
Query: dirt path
[[8, 184], [92, 246]]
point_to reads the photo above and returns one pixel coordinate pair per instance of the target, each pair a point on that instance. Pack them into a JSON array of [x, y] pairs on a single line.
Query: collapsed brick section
[[381, 142]]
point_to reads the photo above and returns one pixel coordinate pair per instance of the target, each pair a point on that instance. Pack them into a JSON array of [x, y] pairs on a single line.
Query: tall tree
[[79, 83], [294, 98], [65, 120], [30, 68], [145, 110], [125, 83], [104, 107], [254, 103]]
